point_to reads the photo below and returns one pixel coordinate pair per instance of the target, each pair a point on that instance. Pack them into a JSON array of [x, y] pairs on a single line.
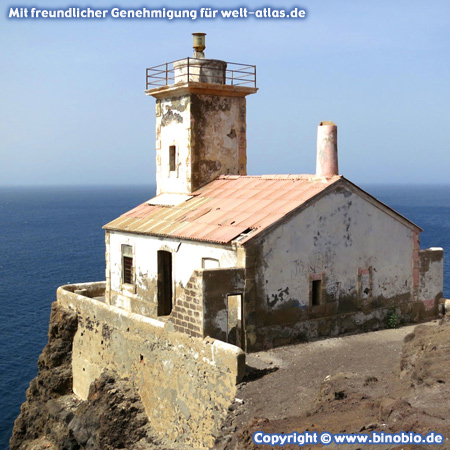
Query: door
[[165, 293]]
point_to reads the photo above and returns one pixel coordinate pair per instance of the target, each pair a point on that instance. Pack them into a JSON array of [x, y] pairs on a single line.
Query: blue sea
[[53, 236]]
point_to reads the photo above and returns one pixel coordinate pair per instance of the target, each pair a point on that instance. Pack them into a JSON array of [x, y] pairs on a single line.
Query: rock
[[54, 379], [394, 410], [447, 306], [53, 418]]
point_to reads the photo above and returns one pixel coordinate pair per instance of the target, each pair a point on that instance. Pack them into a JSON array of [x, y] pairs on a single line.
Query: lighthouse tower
[[200, 119]]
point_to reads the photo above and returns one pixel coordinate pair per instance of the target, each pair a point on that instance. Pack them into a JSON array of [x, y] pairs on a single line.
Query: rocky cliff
[[53, 418], [389, 380]]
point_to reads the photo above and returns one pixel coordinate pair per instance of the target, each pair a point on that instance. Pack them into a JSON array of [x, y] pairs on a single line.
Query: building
[[257, 261]]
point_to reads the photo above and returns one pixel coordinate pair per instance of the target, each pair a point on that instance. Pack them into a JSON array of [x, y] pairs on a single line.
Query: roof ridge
[[299, 176]]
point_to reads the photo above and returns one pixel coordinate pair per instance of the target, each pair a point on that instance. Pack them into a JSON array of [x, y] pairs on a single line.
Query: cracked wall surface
[[209, 136], [364, 259], [141, 297], [185, 384]]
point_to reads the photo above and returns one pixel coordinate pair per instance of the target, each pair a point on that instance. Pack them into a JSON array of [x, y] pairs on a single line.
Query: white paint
[[169, 199], [186, 257], [337, 235], [212, 134], [200, 71], [175, 133], [208, 263]]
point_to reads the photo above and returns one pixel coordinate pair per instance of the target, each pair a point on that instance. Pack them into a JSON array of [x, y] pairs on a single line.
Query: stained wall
[[363, 258], [141, 296], [208, 133], [186, 384]]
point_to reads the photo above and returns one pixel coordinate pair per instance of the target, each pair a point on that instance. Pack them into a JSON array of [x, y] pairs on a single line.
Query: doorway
[[165, 293], [234, 319]]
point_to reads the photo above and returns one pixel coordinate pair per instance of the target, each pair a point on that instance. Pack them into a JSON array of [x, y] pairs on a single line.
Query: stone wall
[[217, 285], [186, 384], [431, 277], [187, 313], [204, 310]]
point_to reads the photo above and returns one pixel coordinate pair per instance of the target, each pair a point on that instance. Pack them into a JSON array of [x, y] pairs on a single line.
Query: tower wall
[[218, 137], [207, 134], [173, 128]]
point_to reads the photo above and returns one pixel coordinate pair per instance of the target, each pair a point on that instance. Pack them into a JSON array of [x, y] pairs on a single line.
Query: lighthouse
[[200, 119]]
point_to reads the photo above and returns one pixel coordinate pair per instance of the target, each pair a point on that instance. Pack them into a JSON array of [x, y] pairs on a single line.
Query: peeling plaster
[[337, 239], [209, 133], [185, 258]]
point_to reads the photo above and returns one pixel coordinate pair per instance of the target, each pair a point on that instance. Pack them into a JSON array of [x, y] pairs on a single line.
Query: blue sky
[[73, 109]]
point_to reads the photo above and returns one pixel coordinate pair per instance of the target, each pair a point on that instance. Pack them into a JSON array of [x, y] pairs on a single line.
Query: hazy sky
[[73, 109]]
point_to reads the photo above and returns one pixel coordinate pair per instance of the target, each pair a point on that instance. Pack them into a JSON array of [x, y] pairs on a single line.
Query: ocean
[[50, 236]]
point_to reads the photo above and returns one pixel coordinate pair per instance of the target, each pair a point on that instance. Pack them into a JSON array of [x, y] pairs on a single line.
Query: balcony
[[196, 70]]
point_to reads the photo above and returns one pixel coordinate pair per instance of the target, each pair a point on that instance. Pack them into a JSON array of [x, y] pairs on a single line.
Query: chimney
[[327, 157]]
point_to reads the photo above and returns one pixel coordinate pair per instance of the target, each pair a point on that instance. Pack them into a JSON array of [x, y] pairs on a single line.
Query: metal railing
[[203, 70]]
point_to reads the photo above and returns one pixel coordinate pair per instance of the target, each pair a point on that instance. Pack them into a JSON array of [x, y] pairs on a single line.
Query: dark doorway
[[316, 292], [164, 283]]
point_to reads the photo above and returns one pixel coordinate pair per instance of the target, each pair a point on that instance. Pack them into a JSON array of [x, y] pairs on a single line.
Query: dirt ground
[[390, 380]]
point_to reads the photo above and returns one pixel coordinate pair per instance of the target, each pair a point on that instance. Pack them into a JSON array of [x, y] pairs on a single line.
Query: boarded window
[[164, 283], [172, 157], [316, 292], [127, 264]]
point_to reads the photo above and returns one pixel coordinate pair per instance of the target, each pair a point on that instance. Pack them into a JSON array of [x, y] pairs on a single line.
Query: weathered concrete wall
[[141, 298], [219, 137], [363, 257], [431, 276], [186, 384], [173, 127], [217, 285], [209, 135], [204, 310], [200, 70]]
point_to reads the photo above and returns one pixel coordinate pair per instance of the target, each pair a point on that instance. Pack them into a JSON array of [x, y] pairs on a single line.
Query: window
[[127, 264], [172, 158], [316, 292], [210, 263]]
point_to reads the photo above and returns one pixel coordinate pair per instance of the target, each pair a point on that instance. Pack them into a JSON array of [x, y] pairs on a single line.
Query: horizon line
[[127, 185]]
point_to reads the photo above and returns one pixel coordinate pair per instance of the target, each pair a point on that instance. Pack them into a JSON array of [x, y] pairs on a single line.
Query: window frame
[[127, 256], [316, 296], [172, 158], [207, 260], [316, 293]]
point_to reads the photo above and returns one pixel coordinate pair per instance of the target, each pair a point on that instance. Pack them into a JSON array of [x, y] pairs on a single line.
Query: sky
[[74, 112]]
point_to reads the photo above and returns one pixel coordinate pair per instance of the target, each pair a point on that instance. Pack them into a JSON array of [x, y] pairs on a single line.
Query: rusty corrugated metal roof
[[229, 207]]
